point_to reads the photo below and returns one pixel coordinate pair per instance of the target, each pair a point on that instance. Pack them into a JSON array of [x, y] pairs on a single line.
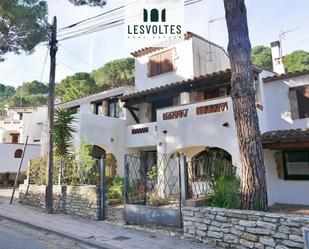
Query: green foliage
[[76, 86], [32, 88], [115, 74], [297, 61], [33, 100], [5, 93], [152, 173], [64, 130], [225, 193], [29, 94], [261, 56], [23, 25], [116, 188], [86, 165], [92, 3], [38, 169]]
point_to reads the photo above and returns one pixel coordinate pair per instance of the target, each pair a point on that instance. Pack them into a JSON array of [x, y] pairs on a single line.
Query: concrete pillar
[[184, 98], [105, 107]]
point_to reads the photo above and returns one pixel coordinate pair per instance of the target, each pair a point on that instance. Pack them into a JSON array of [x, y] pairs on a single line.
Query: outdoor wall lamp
[[226, 124]]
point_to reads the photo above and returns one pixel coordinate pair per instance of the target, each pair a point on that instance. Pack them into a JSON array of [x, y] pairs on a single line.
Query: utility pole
[[51, 112]]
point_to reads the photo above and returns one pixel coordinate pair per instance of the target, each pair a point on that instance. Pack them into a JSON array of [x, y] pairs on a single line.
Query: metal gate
[[153, 189]]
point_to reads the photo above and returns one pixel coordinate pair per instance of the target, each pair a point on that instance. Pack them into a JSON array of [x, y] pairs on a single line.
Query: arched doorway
[[98, 152], [204, 166]]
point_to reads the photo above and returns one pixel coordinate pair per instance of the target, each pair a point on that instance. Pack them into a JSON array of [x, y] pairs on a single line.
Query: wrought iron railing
[[152, 179]]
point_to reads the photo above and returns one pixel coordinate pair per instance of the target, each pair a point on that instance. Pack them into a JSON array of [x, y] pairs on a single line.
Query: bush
[[86, 165], [226, 193], [115, 188]]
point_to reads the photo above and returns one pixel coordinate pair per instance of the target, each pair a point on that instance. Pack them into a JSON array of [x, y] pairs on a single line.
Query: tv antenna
[[211, 21], [282, 36]]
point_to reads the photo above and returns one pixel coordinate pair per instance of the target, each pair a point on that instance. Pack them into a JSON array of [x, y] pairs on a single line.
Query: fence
[[153, 188]]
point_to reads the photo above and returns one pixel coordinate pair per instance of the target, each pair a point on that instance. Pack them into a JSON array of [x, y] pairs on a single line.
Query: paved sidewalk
[[95, 233]]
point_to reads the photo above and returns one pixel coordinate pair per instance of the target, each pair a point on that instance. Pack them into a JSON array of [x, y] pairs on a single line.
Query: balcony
[[141, 135], [100, 130], [208, 123]]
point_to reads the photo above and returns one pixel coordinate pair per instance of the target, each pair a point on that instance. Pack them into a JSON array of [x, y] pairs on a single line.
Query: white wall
[[106, 132], [199, 131], [10, 164], [142, 139], [278, 106], [208, 57], [183, 67], [283, 191]]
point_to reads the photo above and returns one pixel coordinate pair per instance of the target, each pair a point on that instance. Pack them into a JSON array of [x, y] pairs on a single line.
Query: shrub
[[86, 165], [226, 192], [115, 188]]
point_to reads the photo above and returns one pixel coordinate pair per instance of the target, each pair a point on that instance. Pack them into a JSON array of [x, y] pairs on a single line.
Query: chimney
[[277, 57]]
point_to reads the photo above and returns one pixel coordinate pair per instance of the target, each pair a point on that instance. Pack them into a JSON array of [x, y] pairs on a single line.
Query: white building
[[19, 123], [181, 103]]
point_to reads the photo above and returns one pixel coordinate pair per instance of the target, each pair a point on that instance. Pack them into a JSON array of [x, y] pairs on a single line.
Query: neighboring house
[[181, 103], [15, 126]]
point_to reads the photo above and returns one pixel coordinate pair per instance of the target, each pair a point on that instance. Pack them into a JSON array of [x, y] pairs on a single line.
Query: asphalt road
[[16, 236]]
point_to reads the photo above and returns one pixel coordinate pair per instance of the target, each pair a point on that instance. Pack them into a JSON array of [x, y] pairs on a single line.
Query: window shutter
[[166, 62], [294, 104], [279, 163]]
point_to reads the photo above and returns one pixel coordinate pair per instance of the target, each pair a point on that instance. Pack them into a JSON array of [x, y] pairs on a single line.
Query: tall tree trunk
[[253, 179]]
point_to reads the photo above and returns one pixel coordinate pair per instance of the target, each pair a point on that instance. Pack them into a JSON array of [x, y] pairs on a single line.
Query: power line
[[15, 68], [76, 56], [96, 16], [45, 60], [107, 25], [74, 70]]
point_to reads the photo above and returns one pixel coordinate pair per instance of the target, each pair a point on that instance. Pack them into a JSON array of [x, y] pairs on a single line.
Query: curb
[[62, 234]]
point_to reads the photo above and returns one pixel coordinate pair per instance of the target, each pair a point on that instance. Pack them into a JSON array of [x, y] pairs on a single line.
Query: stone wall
[[82, 201], [34, 195], [244, 229]]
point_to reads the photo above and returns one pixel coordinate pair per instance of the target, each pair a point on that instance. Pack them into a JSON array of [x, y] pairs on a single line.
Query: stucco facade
[[14, 129], [189, 109]]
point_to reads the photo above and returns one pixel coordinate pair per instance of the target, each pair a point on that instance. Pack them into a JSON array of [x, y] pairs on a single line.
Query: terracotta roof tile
[[291, 135], [178, 83], [285, 76]]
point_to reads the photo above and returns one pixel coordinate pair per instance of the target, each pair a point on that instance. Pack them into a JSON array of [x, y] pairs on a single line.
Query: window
[[299, 100], [161, 63], [98, 108], [113, 108], [18, 153], [303, 101], [296, 165], [75, 109]]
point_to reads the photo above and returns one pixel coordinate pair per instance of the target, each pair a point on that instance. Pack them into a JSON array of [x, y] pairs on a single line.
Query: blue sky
[[266, 19]]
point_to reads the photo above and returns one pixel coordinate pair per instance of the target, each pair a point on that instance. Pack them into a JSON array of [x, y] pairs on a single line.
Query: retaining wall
[[82, 201], [244, 229]]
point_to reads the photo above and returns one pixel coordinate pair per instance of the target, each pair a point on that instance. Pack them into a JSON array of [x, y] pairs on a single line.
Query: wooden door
[[15, 138]]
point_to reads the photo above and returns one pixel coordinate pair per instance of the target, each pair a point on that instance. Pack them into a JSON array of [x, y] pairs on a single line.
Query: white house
[[15, 126], [181, 103]]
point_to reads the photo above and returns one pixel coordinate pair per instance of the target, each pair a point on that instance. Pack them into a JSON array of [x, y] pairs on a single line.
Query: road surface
[[16, 236]]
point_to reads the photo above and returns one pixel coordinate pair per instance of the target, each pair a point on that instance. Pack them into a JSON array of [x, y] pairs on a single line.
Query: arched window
[[18, 153], [204, 162], [97, 152]]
